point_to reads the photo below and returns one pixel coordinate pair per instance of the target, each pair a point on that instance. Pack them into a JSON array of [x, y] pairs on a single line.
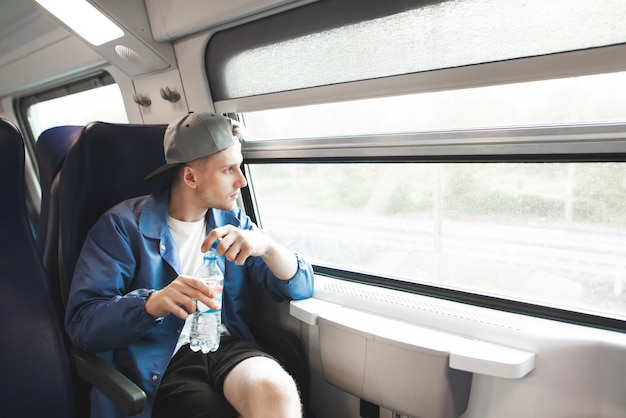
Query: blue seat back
[[35, 363], [51, 148], [106, 165]]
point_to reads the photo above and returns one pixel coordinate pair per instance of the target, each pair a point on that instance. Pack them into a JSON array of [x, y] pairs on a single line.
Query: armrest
[[126, 395]]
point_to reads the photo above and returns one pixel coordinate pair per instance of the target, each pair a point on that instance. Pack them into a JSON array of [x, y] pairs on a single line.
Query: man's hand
[[179, 298], [239, 244]]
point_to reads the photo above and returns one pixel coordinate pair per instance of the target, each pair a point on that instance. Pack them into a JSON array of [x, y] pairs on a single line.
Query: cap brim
[[162, 169]]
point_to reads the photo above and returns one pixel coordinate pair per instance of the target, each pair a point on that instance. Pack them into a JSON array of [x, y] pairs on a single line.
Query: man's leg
[[185, 390], [258, 387]]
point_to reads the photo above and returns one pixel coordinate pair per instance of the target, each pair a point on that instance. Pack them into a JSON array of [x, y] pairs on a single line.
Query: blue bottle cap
[[212, 253]]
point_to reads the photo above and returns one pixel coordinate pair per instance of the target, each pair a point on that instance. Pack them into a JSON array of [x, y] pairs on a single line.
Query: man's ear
[[189, 176]]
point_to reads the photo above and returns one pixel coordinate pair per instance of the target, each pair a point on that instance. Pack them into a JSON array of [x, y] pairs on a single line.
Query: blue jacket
[[129, 252]]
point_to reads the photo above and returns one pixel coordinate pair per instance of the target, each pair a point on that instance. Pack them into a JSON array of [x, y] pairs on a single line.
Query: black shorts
[[193, 384]]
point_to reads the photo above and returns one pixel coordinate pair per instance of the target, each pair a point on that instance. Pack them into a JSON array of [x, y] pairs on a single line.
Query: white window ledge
[[464, 353]]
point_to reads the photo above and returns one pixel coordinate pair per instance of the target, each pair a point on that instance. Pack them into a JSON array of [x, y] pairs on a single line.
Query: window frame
[[575, 143], [21, 104]]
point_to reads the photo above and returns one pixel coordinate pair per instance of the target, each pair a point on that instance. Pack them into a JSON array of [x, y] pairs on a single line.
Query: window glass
[[585, 99], [359, 40], [96, 104], [547, 233]]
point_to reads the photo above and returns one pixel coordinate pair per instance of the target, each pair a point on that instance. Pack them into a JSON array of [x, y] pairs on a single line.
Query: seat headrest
[[51, 148], [12, 167], [106, 165]]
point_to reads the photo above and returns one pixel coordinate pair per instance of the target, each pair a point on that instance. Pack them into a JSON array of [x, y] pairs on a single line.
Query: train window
[[470, 150], [97, 98], [520, 224], [583, 99], [549, 233]]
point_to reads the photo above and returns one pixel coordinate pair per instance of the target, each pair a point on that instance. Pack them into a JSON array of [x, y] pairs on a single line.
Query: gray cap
[[194, 136]]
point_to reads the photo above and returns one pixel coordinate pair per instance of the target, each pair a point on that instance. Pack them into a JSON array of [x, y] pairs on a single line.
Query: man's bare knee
[[259, 387], [275, 389]]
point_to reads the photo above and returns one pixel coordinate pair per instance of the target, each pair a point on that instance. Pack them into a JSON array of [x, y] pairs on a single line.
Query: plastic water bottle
[[206, 323]]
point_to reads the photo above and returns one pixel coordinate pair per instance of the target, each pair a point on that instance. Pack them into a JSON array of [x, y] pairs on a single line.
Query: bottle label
[[216, 284], [203, 309]]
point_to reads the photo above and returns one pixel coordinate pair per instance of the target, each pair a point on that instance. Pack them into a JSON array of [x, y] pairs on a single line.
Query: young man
[[133, 288]]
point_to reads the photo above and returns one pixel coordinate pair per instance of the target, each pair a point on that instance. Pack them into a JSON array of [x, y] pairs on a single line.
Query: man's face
[[219, 179]]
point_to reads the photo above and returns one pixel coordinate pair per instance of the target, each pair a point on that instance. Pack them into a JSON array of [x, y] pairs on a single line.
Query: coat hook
[[142, 100], [170, 95]]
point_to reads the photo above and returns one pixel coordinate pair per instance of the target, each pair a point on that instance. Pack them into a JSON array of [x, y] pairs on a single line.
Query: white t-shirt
[[188, 237]]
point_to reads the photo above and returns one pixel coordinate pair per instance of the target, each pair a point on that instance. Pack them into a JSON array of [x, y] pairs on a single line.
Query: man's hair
[[239, 131]]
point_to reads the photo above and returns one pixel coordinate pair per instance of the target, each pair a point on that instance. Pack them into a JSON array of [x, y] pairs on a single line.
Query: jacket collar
[[153, 217]]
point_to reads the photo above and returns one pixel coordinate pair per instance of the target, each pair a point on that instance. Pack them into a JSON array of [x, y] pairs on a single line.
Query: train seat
[[34, 354], [106, 165], [51, 148]]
